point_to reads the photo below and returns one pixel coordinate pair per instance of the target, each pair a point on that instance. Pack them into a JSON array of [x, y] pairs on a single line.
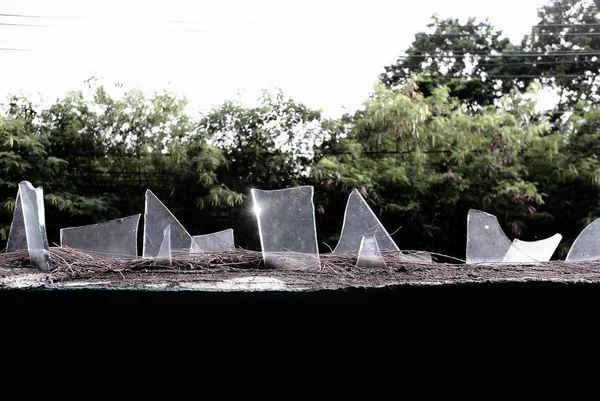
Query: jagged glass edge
[[372, 213], [195, 248], [582, 234], [499, 227], [145, 226], [14, 242], [165, 255], [111, 254], [515, 245], [365, 261], [255, 204], [39, 258]]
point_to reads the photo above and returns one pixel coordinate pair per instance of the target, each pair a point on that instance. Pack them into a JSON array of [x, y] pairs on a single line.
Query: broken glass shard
[[369, 254], [486, 242], [195, 248], [28, 228], [164, 252], [114, 238], [17, 237], [156, 219], [587, 244], [360, 221], [532, 251], [214, 242], [415, 257], [286, 226]]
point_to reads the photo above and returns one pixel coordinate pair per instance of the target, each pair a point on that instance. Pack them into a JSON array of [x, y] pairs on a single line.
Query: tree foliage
[[464, 57]]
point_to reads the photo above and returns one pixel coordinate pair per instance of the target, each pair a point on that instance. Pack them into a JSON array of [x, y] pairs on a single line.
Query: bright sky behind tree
[[324, 53]]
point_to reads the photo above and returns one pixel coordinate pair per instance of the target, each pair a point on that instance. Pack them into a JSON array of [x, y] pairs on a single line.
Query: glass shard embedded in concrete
[[115, 238], [360, 221], [587, 245], [486, 242], [286, 225], [28, 228], [156, 219], [164, 257], [369, 254], [214, 242], [532, 251]]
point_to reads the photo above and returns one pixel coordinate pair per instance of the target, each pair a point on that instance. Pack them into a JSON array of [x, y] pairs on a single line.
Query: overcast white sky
[[325, 53]]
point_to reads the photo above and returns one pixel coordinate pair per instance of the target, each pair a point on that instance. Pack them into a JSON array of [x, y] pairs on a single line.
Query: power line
[[475, 51], [520, 64], [508, 76], [26, 16], [8, 15], [39, 16], [484, 25], [193, 30], [8, 49], [442, 25], [25, 25], [558, 35], [565, 25], [488, 53]]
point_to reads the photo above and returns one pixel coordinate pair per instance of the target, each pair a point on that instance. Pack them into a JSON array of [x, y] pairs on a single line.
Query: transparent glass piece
[[287, 229], [28, 228], [360, 221], [214, 242], [532, 251], [164, 252], [156, 219], [195, 248], [415, 257], [114, 238], [587, 244], [369, 254], [486, 242], [17, 238]]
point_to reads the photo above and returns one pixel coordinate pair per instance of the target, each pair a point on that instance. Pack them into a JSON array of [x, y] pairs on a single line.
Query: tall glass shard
[[532, 251], [587, 244], [287, 229], [369, 254], [156, 219], [360, 221], [17, 237], [214, 242], [28, 228], [164, 252], [114, 238], [486, 242]]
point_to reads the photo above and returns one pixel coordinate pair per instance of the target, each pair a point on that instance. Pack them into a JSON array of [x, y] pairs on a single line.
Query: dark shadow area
[[495, 341]]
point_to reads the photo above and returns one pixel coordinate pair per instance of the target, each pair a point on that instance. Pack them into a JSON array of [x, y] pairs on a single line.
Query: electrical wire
[[10, 49], [489, 52], [558, 35], [27, 16], [9, 15], [484, 25], [25, 25], [489, 78], [533, 64]]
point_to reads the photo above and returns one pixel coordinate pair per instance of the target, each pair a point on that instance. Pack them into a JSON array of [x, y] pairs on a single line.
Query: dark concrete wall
[[488, 341]]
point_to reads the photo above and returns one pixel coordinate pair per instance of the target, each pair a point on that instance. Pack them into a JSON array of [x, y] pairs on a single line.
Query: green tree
[[568, 45], [422, 162], [269, 146], [467, 58], [95, 155], [23, 155]]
